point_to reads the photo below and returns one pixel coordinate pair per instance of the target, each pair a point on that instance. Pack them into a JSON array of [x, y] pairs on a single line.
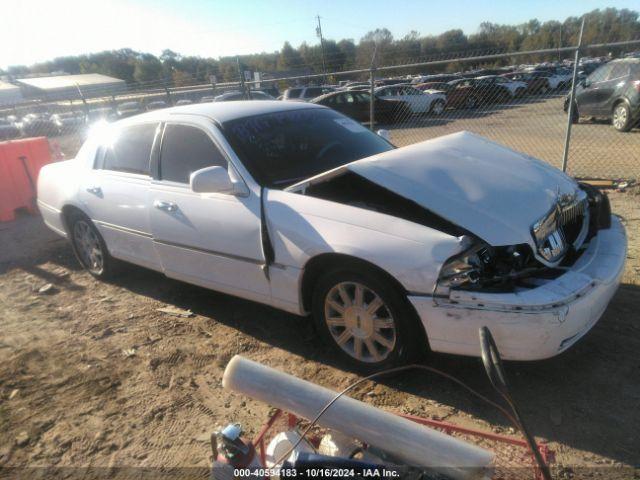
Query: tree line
[[601, 26]]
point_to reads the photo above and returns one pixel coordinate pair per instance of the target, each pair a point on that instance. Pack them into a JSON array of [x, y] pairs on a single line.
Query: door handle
[[94, 190], [165, 206]]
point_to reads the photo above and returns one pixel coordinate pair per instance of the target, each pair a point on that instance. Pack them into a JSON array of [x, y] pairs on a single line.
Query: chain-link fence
[[518, 99]]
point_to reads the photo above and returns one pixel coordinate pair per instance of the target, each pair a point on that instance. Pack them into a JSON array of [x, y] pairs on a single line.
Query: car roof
[[625, 60], [222, 111]]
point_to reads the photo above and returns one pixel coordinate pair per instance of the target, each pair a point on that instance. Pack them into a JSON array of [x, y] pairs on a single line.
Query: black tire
[[101, 264], [437, 105], [407, 336], [621, 117]]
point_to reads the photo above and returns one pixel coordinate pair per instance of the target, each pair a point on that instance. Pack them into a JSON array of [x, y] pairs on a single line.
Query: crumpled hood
[[486, 188]]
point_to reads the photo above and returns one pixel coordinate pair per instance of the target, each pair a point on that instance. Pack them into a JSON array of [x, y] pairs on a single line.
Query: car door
[[616, 78], [418, 103], [349, 105], [115, 193], [212, 240], [590, 97]]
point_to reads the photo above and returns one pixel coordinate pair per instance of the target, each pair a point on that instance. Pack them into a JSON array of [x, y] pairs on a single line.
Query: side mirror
[[384, 134], [586, 83], [216, 180]]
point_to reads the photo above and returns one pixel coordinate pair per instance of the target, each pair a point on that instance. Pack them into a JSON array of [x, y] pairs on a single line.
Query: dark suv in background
[[613, 92]]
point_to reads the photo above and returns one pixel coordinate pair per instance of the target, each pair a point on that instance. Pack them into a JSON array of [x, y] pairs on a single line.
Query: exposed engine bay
[[561, 235]]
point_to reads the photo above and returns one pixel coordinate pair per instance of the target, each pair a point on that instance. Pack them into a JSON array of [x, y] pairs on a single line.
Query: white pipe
[[408, 441]]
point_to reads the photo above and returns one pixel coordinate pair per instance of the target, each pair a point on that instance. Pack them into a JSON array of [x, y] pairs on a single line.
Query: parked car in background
[[236, 95], [559, 78], [156, 105], [69, 122], [356, 104], [183, 101], [207, 99], [360, 86], [8, 129], [471, 93], [392, 250], [388, 81], [441, 86], [612, 92], [514, 87], [419, 102], [304, 94], [537, 82], [443, 77], [128, 109], [38, 124]]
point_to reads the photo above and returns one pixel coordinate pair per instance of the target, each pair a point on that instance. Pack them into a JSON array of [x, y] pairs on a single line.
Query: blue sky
[[37, 30]]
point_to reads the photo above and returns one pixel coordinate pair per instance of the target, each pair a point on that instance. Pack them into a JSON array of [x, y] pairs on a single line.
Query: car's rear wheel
[[89, 247], [437, 107], [621, 117], [365, 319]]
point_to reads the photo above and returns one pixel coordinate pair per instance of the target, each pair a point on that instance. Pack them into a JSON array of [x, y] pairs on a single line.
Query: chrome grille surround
[[549, 232]]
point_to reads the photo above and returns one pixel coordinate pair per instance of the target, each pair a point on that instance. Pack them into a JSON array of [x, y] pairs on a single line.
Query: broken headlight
[[466, 267], [481, 266]]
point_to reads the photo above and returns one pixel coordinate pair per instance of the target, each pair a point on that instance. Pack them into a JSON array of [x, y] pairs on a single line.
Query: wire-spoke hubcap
[[620, 117], [360, 322], [438, 108], [88, 246]]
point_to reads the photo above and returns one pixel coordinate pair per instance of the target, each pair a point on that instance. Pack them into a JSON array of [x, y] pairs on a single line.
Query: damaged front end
[[559, 238]]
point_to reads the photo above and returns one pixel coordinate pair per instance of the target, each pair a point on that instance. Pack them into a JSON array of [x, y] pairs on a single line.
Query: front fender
[[302, 227]]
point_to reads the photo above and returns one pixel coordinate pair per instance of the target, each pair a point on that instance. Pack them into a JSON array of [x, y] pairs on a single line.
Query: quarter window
[[131, 150], [185, 150], [619, 70]]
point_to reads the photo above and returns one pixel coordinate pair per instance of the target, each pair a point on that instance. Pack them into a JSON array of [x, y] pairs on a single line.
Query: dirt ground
[[93, 375]]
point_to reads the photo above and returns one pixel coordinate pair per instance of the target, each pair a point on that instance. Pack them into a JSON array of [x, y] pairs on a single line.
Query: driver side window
[[186, 149]]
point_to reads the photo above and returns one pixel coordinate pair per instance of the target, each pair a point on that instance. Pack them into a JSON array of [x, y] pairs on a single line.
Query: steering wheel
[[329, 146]]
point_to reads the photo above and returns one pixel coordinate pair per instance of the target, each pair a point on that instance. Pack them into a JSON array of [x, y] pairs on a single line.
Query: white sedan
[[393, 250], [418, 101], [515, 88]]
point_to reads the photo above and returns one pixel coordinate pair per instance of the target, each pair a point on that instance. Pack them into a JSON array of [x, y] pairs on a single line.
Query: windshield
[[282, 148]]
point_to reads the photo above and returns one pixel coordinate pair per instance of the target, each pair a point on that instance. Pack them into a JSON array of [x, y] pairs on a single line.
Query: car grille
[[571, 220], [564, 226]]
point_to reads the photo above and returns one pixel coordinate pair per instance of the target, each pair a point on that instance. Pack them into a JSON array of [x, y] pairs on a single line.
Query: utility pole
[[319, 33]]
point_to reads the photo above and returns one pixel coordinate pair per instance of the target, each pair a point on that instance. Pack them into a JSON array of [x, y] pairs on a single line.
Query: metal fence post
[[372, 98], [570, 109]]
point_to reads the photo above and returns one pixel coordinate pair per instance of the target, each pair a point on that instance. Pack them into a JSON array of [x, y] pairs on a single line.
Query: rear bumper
[[531, 324]]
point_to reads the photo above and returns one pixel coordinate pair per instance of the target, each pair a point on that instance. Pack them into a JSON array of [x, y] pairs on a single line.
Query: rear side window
[[294, 93], [313, 92], [185, 150], [131, 150], [619, 70]]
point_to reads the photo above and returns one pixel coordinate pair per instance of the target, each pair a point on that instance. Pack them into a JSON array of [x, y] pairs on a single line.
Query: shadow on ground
[[578, 398]]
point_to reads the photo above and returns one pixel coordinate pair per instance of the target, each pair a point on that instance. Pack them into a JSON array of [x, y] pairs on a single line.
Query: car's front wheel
[[621, 117], [89, 247], [366, 320]]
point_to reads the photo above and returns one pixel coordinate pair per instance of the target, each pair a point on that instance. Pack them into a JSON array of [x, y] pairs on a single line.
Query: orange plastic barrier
[[20, 163]]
